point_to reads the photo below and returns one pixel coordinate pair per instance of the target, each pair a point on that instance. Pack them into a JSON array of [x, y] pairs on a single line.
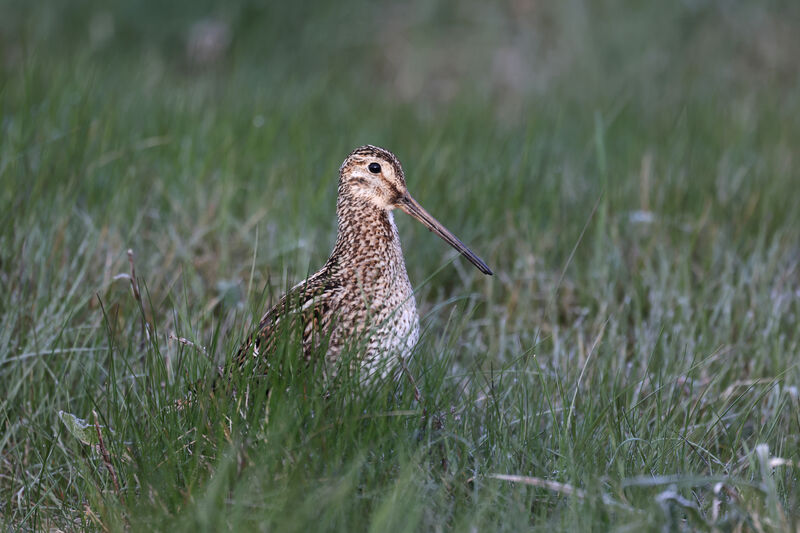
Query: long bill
[[412, 207]]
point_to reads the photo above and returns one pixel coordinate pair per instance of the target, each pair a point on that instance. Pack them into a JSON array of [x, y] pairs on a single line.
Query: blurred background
[[206, 136], [426, 52]]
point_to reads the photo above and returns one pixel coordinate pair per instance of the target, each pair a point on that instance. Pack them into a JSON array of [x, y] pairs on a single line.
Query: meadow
[[628, 170]]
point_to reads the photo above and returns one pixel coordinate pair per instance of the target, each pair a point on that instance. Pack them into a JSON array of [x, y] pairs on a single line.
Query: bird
[[362, 297]]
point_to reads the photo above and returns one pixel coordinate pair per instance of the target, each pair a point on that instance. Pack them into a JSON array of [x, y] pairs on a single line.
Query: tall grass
[[629, 172]]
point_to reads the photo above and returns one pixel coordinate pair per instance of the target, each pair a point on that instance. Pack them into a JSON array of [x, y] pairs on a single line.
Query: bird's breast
[[377, 299]]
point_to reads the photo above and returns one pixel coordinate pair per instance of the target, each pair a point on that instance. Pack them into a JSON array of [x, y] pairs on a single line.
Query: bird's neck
[[366, 234]]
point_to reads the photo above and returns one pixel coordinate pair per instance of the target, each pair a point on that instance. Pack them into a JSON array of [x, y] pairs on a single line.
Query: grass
[[628, 171]]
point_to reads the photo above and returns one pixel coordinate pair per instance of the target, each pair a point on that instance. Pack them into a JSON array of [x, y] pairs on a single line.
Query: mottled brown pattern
[[362, 296]]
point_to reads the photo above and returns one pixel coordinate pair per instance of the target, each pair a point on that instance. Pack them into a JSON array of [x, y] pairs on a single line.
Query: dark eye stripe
[[375, 168]]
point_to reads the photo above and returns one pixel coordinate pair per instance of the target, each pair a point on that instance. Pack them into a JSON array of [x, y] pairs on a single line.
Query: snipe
[[362, 294]]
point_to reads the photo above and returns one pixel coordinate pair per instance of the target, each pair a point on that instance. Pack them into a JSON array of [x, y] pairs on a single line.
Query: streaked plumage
[[362, 296]]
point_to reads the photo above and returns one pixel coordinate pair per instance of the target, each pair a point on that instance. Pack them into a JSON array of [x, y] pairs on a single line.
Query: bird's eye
[[375, 168]]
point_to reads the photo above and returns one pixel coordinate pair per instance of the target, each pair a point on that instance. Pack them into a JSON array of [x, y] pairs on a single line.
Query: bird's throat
[[366, 235]]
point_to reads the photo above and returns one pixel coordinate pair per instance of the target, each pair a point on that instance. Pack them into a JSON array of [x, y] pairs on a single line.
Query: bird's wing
[[306, 309]]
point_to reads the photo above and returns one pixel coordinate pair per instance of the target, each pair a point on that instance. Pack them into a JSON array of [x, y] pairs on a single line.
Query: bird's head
[[374, 175]]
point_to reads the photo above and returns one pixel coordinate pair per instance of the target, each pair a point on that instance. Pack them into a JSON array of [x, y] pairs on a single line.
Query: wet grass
[[627, 172]]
